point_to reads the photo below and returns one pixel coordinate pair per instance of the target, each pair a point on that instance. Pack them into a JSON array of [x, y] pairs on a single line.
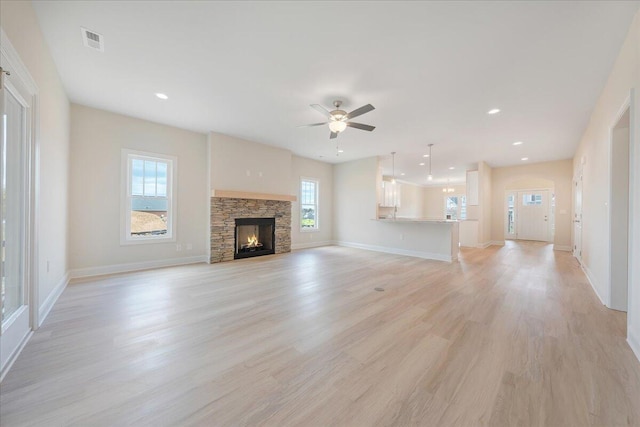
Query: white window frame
[[126, 197], [317, 205]]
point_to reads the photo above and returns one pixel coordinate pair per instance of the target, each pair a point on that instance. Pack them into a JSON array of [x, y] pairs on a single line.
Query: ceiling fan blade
[[361, 126], [333, 135], [313, 124], [360, 111], [319, 108]]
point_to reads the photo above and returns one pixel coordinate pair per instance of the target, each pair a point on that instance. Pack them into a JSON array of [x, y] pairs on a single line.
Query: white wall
[[594, 148], [322, 172], [240, 165], [97, 139], [411, 201], [355, 199], [535, 175], [19, 22]]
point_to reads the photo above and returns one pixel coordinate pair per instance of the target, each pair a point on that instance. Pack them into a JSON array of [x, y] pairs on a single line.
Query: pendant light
[[430, 176]]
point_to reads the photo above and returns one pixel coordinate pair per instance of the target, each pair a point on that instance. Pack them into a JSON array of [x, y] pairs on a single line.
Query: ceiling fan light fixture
[[337, 126]]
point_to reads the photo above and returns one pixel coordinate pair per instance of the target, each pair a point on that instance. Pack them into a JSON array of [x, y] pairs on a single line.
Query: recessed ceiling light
[[162, 96], [517, 143], [402, 174], [340, 151], [451, 168], [421, 164], [524, 158], [493, 111], [426, 155]]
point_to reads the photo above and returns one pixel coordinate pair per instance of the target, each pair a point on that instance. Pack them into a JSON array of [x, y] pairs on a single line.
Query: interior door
[[577, 217], [532, 217], [13, 227]]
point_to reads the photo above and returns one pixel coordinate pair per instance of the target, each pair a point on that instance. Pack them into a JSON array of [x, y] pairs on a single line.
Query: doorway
[[619, 213], [17, 216], [529, 215], [577, 215]]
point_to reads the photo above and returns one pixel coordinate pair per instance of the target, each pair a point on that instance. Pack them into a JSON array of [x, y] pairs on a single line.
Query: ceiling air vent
[[92, 39]]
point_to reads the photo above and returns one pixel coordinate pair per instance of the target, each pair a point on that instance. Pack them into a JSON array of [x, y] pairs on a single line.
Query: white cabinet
[[472, 188]]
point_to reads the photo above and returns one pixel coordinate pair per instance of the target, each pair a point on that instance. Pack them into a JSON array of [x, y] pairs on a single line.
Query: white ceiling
[[431, 69]]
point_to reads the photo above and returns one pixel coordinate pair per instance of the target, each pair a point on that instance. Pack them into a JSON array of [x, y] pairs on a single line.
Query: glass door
[[14, 308]]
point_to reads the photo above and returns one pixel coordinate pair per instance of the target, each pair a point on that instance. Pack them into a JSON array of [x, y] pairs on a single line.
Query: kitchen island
[[417, 237]]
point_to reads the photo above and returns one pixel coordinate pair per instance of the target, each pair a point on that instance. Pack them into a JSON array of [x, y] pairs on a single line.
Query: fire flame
[[252, 241]]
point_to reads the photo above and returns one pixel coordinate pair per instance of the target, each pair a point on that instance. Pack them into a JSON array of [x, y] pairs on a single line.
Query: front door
[[533, 213]]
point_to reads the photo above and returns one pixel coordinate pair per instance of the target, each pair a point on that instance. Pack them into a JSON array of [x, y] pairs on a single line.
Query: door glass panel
[[531, 199], [12, 230], [511, 225]]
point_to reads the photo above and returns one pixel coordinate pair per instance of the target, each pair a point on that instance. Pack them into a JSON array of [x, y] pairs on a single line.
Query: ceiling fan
[[340, 119]]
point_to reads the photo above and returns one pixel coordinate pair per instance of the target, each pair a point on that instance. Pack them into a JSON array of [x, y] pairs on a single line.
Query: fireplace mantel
[[256, 196]]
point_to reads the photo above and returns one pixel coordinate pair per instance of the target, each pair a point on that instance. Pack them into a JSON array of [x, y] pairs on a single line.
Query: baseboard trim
[[634, 343], [396, 251], [592, 282], [47, 305], [562, 248], [484, 245], [11, 360], [308, 245], [497, 243], [135, 266]]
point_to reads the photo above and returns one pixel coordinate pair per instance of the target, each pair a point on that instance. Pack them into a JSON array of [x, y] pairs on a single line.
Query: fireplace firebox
[[255, 237]]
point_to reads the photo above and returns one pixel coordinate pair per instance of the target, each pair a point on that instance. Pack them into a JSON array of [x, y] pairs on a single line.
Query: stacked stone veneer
[[225, 210]]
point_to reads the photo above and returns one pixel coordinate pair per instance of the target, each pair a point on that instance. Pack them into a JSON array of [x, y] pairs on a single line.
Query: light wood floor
[[507, 336]]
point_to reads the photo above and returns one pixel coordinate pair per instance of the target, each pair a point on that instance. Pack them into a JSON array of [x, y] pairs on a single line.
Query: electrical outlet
[[189, 246], [48, 266], [178, 247]]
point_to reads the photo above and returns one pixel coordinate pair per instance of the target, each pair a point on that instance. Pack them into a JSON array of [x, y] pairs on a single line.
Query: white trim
[[497, 243], [634, 343], [13, 63], [592, 282], [14, 356], [209, 195], [297, 246], [16, 65], [633, 222], [396, 251], [626, 105], [484, 245], [47, 305], [564, 248], [135, 266]]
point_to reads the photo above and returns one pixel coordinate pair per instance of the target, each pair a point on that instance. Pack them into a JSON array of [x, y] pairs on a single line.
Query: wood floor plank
[[507, 336]]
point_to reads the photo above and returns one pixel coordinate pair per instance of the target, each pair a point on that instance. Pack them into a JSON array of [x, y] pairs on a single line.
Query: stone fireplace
[[225, 245]]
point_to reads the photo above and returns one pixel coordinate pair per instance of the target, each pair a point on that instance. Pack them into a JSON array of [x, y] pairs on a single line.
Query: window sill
[[147, 241], [309, 230]]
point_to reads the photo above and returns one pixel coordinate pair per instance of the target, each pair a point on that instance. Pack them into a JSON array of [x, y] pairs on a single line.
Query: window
[[455, 207], [308, 205], [148, 213], [531, 199]]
